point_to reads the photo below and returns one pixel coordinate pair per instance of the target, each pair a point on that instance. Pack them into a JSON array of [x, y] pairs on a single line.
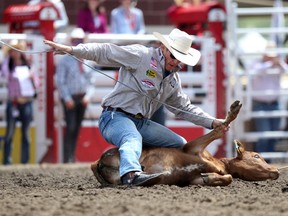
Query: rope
[[24, 51]]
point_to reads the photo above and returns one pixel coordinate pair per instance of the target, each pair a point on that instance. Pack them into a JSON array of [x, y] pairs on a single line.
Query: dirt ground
[[72, 190]]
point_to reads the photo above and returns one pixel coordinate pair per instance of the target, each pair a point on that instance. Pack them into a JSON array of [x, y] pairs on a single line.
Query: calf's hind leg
[[212, 179]]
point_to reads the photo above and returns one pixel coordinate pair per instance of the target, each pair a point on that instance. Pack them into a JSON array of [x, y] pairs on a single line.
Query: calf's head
[[251, 166]]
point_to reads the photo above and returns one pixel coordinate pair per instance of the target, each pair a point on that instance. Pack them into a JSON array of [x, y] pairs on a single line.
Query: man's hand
[[58, 48]]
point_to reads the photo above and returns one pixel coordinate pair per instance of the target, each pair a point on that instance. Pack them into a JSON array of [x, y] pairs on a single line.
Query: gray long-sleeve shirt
[[142, 69]]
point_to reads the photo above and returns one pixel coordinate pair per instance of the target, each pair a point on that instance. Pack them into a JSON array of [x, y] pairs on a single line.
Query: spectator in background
[[21, 92], [267, 77], [58, 24], [72, 83], [92, 18], [127, 19]]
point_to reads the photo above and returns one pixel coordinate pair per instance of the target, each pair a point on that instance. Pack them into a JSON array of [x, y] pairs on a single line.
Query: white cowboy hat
[[179, 44]]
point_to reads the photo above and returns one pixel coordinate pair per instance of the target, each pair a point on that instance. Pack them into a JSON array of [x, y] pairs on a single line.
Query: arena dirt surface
[[73, 190]]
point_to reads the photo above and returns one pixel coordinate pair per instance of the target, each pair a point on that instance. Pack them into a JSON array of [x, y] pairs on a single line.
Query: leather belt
[[137, 116]]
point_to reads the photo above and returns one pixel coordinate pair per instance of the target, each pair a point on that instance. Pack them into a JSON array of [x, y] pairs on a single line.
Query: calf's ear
[[239, 149]]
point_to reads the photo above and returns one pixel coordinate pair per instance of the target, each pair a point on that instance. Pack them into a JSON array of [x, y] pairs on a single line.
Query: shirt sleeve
[[107, 54], [186, 110]]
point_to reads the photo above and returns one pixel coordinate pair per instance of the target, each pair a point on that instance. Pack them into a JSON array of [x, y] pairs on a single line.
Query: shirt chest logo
[[151, 73], [147, 83]]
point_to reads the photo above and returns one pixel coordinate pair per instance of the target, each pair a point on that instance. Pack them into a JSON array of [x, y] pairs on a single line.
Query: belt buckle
[[138, 116]]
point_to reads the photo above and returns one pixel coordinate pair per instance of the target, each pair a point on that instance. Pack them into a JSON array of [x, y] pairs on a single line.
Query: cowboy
[[147, 79]]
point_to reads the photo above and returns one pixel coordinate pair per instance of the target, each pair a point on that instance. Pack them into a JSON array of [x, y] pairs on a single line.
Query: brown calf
[[192, 164]]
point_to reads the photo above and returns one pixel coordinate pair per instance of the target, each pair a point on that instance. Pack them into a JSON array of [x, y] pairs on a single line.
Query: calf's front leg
[[212, 179], [198, 145]]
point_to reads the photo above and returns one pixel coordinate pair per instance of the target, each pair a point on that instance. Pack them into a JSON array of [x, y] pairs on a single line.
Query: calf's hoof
[[215, 179]]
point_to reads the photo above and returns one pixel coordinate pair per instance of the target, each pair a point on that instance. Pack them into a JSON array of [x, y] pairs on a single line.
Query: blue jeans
[[266, 124], [128, 134], [25, 117], [159, 116]]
